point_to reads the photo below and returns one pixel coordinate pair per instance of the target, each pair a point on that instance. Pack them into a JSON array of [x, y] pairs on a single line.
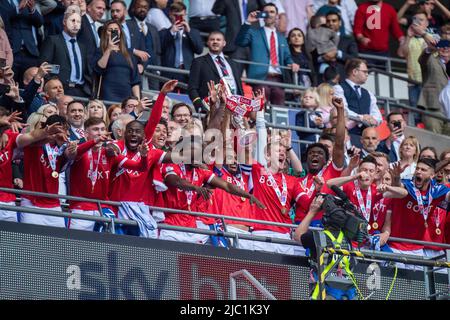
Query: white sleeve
[[261, 142], [444, 98], [374, 110], [339, 92]]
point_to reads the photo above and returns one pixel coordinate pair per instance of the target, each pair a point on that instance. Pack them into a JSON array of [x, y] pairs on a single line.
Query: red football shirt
[[436, 220], [408, 221], [379, 212], [6, 177], [96, 161], [329, 172], [37, 175], [350, 191], [227, 204], [264, 191], [177, 199], [133, 185]]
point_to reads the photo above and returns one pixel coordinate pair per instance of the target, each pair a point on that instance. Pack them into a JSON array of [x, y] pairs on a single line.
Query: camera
[[114, 34], [4, 88], [397, 125], [179, 19], [262, 15], [54, 68], [341, 214]]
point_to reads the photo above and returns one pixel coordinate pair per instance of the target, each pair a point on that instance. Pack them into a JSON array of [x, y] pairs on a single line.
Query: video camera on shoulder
[[341, 214]]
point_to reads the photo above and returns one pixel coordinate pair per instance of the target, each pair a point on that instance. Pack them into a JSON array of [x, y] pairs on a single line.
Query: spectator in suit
[[236, 12], [268, 47], [21, 23], [75, 118], [369, 141], [138, 13], [115, 65], [134, 39], [347, 47], [62, 103], [346, 9], [180, 42], [88, 34], [212, 66], [375, 21], [391, 146], [5, 47], [433, 62], [156, 15], [70, 54], [360, 103]]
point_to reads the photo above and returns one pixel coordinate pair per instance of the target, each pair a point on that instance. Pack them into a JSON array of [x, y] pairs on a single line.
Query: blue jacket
[[256, 39]]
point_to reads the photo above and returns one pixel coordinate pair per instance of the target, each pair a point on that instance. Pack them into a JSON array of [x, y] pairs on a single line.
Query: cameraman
[[338, 285]]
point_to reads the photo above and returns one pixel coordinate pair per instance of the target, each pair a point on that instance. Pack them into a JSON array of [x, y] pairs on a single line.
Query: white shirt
[[201, 8], [374, 110], [141, 25], [444, 99], [126, 31], [230, 79], [73, 71], [96, 25], [268, 32], [158, 18], [180, 39]]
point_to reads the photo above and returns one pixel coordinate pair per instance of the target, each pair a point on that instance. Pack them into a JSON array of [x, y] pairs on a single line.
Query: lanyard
[[365, 209], [376, 213], [93, 175], [313, 186], [282, 195], [194, 177], [424, 211], [136, 157], [52, 154]]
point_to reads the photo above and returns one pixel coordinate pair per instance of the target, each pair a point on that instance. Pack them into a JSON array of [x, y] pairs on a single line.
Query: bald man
[[369, 140]]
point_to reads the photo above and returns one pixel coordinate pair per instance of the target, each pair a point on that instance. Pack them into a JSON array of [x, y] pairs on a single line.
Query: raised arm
[[340, 181], [156, 113], [174, 181], [392, 192], [314, 209], [338, 149]]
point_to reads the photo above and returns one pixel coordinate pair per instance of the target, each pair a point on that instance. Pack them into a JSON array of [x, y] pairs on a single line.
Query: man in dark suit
[[347, 46], [21, 23], [212, 66], [236, 12], [65, 51], [138, 14], [88, 34], [180, 43]]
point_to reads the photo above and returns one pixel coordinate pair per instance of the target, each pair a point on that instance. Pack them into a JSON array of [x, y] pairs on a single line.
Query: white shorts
[[62, 187], [41, 219], [180, 236], [273, 247], [435, 253], [78, 224], [400, 265], [6, 215], [242, 244]]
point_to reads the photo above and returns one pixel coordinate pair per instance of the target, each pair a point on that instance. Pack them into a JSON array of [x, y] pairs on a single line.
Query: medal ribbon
[[365, 209], [53, 154], [424, 211], [189, 194], [282, 195], [313, 186], [94, 174]]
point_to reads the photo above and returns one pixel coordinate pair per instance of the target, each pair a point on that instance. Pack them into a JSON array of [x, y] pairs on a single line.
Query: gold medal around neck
[[284, 210], [243, 199], [438, 231], [375, 226], [55, 174], [426, 224]]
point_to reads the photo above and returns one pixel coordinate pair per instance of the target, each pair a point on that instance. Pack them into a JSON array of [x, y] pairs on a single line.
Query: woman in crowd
[[38, 118], [325, 92], [409, 154], [115, 65], [5, 46], [114, 111], [428, 152], [296, 40], [96, 108]]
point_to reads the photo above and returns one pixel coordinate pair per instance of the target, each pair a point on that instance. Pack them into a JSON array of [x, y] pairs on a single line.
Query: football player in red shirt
[[90, 172], [319, 164], [186, 183], [412, 216], [16, 140]]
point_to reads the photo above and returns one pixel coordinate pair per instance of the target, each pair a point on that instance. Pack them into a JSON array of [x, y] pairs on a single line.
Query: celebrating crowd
[[218, 155]]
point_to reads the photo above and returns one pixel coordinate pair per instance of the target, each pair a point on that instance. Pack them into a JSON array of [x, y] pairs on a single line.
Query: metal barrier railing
[[223, 218]]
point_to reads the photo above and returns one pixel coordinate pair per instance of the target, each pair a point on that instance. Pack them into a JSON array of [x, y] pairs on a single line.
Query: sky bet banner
[[50, 263]]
